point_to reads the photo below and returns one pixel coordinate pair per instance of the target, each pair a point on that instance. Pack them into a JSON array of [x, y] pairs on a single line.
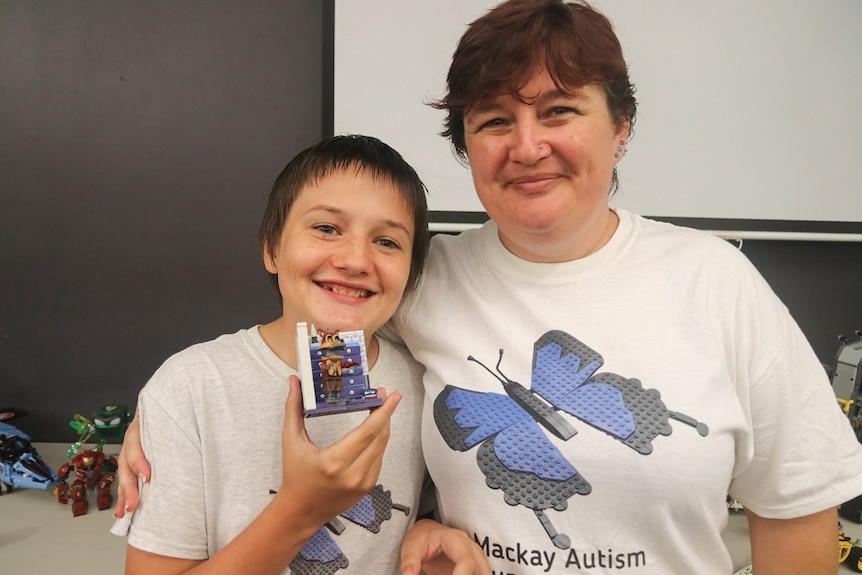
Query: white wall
[[747, 109]]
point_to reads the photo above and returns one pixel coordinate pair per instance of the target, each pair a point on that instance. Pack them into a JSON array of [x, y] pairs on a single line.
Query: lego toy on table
[[21, 466], [847, 380], [39, 536], [92, 469]]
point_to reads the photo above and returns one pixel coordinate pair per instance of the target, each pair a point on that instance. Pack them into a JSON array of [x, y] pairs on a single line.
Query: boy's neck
[[280, 340]]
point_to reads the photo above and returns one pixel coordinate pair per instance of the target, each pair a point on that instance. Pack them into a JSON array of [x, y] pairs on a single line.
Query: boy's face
[[344, 254]]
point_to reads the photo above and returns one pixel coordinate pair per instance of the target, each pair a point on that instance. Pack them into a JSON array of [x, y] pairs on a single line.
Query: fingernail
[[143, 478]]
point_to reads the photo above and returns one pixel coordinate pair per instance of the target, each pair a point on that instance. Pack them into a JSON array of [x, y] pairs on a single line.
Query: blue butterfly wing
[[524, 447], [561, 363], [515, 454], [564, 374], [467, 418], [373, 509], [649, 414], [529, 469], [319, 555]]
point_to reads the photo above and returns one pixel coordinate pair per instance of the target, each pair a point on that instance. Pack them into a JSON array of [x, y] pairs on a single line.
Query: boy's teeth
[[348, 292]]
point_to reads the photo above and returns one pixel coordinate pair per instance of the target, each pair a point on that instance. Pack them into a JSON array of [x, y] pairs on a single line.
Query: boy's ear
[[269, 260]]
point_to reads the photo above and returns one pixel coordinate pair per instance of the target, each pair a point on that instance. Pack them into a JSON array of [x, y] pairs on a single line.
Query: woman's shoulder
[[655, 234]]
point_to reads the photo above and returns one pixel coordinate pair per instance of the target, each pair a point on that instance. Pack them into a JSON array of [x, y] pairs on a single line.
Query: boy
[[344, 236]]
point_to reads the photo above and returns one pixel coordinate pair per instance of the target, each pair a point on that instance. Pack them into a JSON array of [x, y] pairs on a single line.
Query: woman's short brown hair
[[502, 50]]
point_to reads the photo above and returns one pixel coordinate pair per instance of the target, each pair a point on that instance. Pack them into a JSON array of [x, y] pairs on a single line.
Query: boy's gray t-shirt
[[212, 425]]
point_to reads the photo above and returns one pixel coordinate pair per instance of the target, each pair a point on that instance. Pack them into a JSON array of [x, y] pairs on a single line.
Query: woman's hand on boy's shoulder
[[132, 466]]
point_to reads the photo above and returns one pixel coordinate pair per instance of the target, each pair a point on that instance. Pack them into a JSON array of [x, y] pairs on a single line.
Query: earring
[[620, 149]]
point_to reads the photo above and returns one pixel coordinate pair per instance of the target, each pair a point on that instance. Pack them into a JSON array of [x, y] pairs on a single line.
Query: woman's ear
[[623, 131]]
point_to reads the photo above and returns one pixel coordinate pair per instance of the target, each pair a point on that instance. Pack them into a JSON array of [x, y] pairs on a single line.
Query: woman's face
[[344, 255], [542, 168]]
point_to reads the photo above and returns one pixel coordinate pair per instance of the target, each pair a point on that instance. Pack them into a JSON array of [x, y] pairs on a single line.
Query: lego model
[[21, 466], [849, 553], [510, 429], [90, 469], [109, 424], [852, 510], [846, 380], [333, 367]]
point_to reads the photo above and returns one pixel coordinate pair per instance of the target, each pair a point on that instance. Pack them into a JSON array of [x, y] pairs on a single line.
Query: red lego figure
[[92, 469]]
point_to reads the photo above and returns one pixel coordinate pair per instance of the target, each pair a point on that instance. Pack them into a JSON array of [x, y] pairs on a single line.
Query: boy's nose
[[354, 256]]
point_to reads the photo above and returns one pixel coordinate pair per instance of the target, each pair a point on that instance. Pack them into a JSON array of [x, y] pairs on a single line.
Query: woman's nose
[[528, 145]]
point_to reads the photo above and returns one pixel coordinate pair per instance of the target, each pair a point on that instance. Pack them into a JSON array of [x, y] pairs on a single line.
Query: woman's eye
[[325, 228], [561, 111], [496, 122]]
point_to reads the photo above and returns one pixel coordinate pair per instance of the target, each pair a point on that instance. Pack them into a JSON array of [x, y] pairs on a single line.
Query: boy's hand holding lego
[[325, 482], [430, 548], [318, 484]]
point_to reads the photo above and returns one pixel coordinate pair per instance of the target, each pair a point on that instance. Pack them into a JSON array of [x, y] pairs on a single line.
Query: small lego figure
[[333, 367], [332, 349], [92, 470], [109, 423]]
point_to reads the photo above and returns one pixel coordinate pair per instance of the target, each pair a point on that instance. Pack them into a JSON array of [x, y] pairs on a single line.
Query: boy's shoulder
[[198, 358]]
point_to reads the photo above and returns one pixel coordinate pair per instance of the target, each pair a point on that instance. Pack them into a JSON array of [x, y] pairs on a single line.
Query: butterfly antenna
[[501, 378], [701, 427], [500, 371]]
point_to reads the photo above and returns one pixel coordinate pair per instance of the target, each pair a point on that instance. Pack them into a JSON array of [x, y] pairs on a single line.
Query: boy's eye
[[389, 243]]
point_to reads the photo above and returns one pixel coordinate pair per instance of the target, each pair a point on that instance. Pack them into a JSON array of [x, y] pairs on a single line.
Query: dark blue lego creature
[[21, 466]]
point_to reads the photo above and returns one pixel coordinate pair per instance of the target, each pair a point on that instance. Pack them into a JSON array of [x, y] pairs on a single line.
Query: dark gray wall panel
[[138, 142]]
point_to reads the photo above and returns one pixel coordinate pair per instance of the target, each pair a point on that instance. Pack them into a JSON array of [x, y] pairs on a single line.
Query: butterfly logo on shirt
[[517, 456], [321, 555]]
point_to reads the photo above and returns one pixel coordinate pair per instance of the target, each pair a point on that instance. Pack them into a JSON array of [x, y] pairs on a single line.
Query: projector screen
[[748, 115]]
